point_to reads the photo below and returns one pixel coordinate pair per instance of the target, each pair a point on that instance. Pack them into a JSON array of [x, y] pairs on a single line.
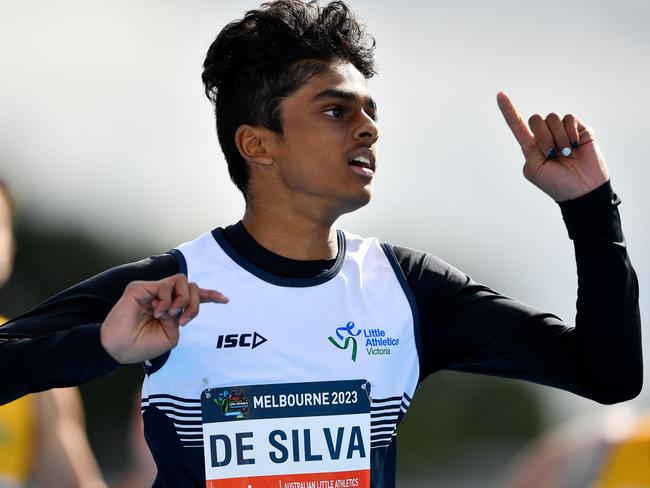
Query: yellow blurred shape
[[628, 464], [17, 432]]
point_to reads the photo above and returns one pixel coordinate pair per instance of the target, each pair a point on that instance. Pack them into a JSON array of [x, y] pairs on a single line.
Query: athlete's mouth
[[361, 161], [364, 159]]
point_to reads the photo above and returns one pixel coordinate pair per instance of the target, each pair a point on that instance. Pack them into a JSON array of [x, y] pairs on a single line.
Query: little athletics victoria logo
[[377, 343]]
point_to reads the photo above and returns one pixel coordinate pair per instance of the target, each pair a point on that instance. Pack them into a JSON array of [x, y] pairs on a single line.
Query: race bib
[[294, 435]]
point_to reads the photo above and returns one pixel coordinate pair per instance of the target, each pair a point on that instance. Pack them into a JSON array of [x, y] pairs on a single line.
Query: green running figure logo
[[350, 339]]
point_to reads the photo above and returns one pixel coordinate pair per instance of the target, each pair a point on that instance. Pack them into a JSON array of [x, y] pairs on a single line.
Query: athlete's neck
[[292, 237]]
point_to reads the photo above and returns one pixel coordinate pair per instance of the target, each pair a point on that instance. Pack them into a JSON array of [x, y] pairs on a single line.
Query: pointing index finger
[[518, 127], [213, 296]]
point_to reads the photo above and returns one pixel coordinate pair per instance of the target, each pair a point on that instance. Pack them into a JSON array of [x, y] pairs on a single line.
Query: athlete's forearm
[[466, 326], [57, 359], [58, 342], [606, 342]]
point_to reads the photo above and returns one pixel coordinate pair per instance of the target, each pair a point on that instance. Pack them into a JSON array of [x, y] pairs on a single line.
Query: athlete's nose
[[367, 130]]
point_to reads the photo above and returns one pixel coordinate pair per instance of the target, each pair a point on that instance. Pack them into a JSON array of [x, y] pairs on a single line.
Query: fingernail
[[574, 144], [157, 314], [551, 153], [566, 152], [173, 311]]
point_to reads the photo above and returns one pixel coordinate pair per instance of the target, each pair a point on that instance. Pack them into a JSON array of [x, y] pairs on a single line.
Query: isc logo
[[240, 340]]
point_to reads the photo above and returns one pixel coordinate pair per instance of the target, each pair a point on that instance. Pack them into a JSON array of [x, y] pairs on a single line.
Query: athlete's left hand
[[561, 177]]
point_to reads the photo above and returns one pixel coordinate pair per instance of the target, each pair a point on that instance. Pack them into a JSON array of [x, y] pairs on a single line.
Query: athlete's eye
[[335, 112]]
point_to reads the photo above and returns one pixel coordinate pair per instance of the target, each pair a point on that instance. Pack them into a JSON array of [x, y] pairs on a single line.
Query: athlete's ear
[[253, 144]]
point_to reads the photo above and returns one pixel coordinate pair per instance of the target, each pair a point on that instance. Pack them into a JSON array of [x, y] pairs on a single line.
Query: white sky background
[[104, 126]]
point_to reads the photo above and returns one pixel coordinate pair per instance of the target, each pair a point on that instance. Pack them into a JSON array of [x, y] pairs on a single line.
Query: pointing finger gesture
[[144, 323], [562, 158]]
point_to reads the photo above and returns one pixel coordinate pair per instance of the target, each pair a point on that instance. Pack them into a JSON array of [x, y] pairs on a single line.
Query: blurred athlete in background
[[610, 449], [42, 436]]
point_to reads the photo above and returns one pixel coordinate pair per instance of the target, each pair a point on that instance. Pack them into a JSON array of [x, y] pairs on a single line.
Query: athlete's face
[[327, 152]]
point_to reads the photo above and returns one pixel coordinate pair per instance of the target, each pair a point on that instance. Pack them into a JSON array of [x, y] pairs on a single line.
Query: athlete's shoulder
[[89, 301], [423, 269], [150, 268], [419, 267], [206, 238]]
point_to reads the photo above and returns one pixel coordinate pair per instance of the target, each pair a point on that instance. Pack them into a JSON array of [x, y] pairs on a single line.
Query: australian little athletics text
[[340, 483], [346, 479]]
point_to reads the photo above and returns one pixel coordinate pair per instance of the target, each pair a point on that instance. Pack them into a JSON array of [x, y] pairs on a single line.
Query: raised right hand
[[144, 322], [562, 177]]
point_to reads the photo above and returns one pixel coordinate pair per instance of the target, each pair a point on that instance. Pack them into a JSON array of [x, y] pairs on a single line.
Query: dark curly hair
[[259, 60]]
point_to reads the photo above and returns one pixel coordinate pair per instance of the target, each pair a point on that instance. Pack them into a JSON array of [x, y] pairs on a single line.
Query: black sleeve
[[465, 326], [57, 343]]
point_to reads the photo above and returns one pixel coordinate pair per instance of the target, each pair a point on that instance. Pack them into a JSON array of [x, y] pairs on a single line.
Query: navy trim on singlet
[[156, 363], [182, 264], [282, 280], [399, 272]]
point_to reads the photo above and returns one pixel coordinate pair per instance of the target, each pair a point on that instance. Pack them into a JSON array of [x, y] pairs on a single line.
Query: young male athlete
[[305, 373]]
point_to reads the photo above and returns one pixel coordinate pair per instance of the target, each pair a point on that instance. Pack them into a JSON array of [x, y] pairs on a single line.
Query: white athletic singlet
[[354, 322]]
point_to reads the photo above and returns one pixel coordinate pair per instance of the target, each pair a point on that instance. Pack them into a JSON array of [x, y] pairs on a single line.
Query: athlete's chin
[[358, 200]]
